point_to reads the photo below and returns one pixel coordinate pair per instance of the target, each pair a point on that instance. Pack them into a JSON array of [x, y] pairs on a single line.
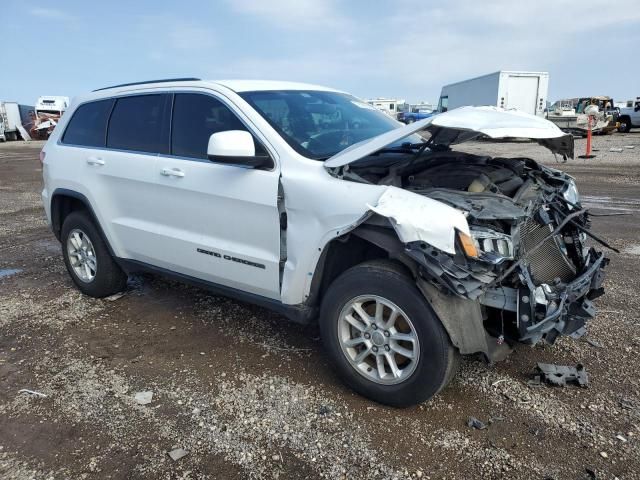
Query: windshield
[[319, 124]]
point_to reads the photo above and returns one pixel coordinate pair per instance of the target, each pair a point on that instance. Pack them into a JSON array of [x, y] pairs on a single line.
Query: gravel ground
[[249, 395]]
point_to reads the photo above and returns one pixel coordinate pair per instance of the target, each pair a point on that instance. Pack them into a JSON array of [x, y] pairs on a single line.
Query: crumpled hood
[[464, 124]]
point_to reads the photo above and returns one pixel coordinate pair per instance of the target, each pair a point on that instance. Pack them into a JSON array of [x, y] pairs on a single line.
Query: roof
[[262, 85], [235, 85]]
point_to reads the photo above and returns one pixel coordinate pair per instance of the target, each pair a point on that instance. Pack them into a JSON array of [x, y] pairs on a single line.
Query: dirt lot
[[251, 396]]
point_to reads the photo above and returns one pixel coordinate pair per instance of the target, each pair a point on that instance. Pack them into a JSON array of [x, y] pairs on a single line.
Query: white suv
[[309, 201]]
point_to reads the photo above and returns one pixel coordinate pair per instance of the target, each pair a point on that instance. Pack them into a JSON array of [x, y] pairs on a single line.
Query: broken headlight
[[570, 192], [493, 246]]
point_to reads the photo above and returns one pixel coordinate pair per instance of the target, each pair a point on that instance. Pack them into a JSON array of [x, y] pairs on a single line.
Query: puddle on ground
[[633, 250], [7, 272]]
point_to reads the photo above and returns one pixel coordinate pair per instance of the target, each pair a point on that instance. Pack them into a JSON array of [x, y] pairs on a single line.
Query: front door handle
[[172, 172], [95, 161]]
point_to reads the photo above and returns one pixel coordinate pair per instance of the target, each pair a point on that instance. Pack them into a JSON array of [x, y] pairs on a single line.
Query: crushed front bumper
[[545, 312]]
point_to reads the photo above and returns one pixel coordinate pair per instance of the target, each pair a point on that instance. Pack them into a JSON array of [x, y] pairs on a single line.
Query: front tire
[[383, 337], [87, 257]]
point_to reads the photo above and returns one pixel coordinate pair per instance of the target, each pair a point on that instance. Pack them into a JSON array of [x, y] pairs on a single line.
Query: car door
[[137, 132], [119, 140], [215, 222]]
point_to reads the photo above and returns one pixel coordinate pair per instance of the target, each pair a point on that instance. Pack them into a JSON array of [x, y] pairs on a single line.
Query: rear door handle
[[95, 161], [172, 172]]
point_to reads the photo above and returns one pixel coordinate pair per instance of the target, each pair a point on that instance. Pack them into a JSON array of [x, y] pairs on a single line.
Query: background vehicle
[[313, 203], [569, 115], [47, 113], [629, 116], [416, 113], [390, 106], [522, 91], [12, 118]]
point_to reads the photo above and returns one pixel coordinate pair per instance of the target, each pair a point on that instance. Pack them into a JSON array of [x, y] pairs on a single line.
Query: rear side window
[[88, 126], [138, 123], [195, 118]]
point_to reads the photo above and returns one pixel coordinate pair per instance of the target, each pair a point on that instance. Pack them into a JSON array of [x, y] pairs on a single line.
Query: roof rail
[[187, 79]]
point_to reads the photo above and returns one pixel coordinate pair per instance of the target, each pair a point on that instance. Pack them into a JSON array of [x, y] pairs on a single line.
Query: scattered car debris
[[177, 453], [604, 455], [630, 147], [496, 419], [615, 149], [621, 438], [560, 375], [143, 398], [593, 343], [115, 296], [473, 422], [33, 393]]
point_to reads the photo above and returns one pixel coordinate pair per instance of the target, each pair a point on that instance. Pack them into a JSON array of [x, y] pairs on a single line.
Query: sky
[[396, 49]]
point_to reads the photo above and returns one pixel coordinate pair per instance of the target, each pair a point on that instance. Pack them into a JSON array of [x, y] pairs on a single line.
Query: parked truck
[[47, 113], [569, 114], [629, 116], [11, 121], [511, 90]]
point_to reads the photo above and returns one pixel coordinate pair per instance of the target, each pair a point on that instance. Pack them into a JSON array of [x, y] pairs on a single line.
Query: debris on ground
[[115, 296], [604, 455], [473, 422], [560, 375], [626, 404], [615, 149], [143, 398], [177, 453], [629, 146], [621, 438], [593, 343], [33, 393]]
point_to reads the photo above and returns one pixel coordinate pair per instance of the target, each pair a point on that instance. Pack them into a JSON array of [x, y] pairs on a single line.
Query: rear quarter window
[[140, 123], [88, 126]]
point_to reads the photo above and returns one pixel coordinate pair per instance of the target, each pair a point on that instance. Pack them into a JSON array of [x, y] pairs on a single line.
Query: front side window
[[88, 126], [195, 118], [138, 123], [319, 124]]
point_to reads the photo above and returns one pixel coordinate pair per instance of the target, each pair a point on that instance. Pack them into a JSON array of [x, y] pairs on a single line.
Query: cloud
[[51, 14], [185, 36], [170, 39], [293, 14]]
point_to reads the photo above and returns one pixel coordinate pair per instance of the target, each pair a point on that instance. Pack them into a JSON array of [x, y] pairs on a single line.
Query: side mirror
[[236, 147]]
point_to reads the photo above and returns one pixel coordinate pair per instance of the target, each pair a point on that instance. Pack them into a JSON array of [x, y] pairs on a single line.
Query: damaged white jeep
[[408, 251]]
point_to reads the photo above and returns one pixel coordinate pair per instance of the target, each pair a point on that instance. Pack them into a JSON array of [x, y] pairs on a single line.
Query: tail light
[[42, 156]]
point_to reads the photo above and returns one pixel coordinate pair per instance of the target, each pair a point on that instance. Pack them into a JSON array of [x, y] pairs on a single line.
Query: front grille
[[549, 261]]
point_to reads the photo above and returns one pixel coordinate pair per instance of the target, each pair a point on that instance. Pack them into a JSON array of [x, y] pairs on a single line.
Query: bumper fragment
[[562, 310]]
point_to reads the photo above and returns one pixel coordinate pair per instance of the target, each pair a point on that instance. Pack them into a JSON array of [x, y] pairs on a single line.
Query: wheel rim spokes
[[82, 255], [378, 339]]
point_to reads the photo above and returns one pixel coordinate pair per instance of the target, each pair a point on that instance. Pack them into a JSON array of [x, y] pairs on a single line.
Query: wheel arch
[[63, 202], [365, 242]]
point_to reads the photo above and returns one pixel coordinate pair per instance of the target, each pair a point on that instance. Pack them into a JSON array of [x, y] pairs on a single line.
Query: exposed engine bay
[[524, 266]]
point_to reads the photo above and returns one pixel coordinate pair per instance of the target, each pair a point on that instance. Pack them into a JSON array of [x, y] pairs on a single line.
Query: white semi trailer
[[522, 91], [10, 119]]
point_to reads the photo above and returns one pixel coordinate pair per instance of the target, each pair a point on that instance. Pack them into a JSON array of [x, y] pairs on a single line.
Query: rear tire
[[87, 257], [417, 344], [625, 125]]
